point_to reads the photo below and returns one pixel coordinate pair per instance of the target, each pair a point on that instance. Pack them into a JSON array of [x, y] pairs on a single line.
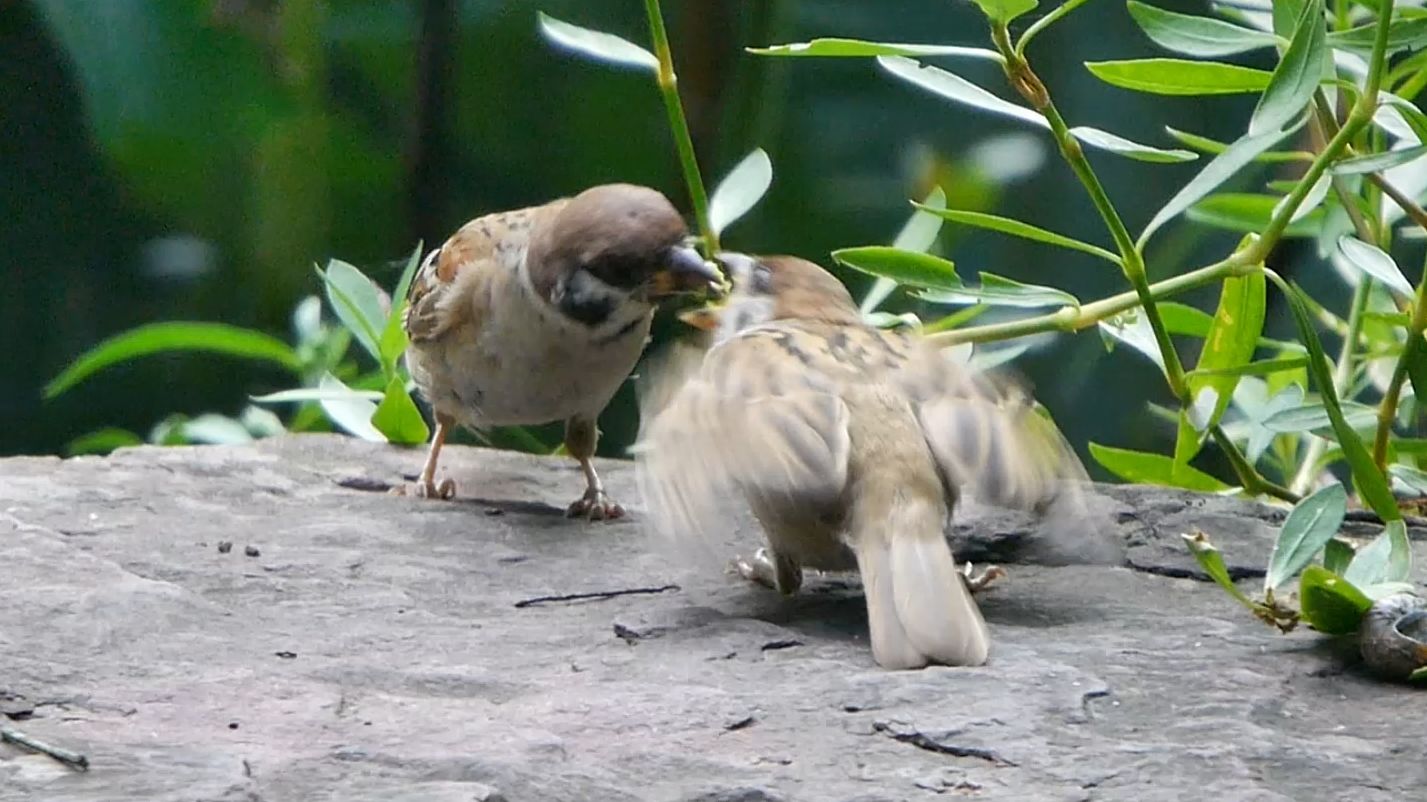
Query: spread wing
[[746, 420]]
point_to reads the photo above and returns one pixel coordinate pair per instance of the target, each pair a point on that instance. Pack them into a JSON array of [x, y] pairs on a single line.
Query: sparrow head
[[767, 288], [611, 244]]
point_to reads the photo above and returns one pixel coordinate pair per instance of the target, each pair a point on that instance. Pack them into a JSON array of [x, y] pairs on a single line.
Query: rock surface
[[385, 648]]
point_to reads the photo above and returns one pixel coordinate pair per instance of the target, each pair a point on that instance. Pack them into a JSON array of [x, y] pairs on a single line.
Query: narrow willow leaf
[[988, 357], [740, 190], [357, 302], [1408, 113], [1196, 36], [1376, 263], [954, 87], [1016, 228], [1250, 212], [917, 234], [1005, 10], [1329, 603], [1402, 34], [1310, 203], [1386, 558], [353, 415], [1134, 331], [1337, 554], [315, 394], [1238, 322], [1286, 14], [1146, 468], [1413, 478], [1371, 484], [598, 45], [1415, 354], [215, 429], [1377, 162], [1212, 562], [102, 441], [1316, 418], [393, 337], [998, 291], [157, 338], [1172, 76], [1262, 368], [904, 267], [856, 48], [397, 416], [1216, 172], [1113, 143], [1206, 145], [1299, 70], [1312, 523]]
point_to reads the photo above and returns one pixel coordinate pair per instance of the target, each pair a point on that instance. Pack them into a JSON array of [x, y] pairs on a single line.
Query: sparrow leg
[[976, 582], [771, 571], [426, 486], [581, 435]]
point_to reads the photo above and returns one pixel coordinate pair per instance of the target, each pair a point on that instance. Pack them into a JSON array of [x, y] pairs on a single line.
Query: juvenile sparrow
[[539, 314], [850, 444]]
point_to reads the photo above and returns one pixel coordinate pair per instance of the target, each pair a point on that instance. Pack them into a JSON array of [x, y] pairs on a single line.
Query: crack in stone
[[925, 742]]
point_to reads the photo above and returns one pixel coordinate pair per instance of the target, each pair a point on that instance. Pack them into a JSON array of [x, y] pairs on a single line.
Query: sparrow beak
[[686, 271], [704, 318]]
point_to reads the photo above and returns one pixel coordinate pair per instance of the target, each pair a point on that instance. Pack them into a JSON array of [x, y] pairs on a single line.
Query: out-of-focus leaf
[[1414, 478], [1248, 212], [397, 416], [740, 190], [1299, 70], [1216, 172], [1238, 321], [1386, 558], [908, 268], [357, 302], [1337, 554], [857, 48], [1114, 143], [1377, 162], [598, 45], [998, 291], [1376, 263], [317, 394], [261, 422], [1005, 10], [1402, 34], [1172, 76], [393, 337], [1261, 368], [1330, 603], [917, 234], [102, 441], [1016, 228], [1308, 528], [1146, 468], [215, 429], [351, 414], [156, 338], [1196, 36], [1207, 145], [1310, 203], [987, 357], [1315, 417]]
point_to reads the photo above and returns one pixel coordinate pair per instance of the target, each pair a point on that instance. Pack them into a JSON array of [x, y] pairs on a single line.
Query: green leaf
[[393, 339], [908, 268], [316, 394], [740, 190], [397, 416], [1315, 417], [1238, 322], [1296, 78], [1402, 34], [1113, 143], [1005, 10], [1306, 207], [1196, 36], [1312, 523], [357, 302], [1216, 172], [1207, 145], [596, 44], [1336, 555], [1414, 478], [347, 412], [1212, 562], [1371, 484], [1145, 468], [856, 48], [102, 441], [1377, 162], [1247, 212], [1375, 262], [1266, 367], [1016, 228], [1286, 14], [157, 338], [1386, 558], [214, 429], [1172, 76], [998, 291], [918, 234], [1410, 116], [1329, 603]]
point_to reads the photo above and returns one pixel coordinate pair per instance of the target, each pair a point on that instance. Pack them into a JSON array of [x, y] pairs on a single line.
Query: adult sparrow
[[539, 314], [850, 444]]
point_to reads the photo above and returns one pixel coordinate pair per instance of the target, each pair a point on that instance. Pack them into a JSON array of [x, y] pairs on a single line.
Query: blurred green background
[[192, 159]]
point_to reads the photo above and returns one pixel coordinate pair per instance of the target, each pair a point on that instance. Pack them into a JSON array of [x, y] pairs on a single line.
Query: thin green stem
[[1045, 22], [1252, 481], [1342, 373], [679, 127], [1387, 410]]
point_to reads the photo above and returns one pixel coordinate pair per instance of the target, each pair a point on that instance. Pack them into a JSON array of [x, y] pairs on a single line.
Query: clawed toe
[[758, 569], [595, 506], [442, 492], [977, 582]]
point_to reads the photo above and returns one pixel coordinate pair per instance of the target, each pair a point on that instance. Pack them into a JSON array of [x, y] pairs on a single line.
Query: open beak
[[685, 272]]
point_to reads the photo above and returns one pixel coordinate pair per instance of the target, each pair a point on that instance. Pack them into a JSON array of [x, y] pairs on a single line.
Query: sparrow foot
[[595, 505], [976, 582], [429, 489], [758, 569]]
